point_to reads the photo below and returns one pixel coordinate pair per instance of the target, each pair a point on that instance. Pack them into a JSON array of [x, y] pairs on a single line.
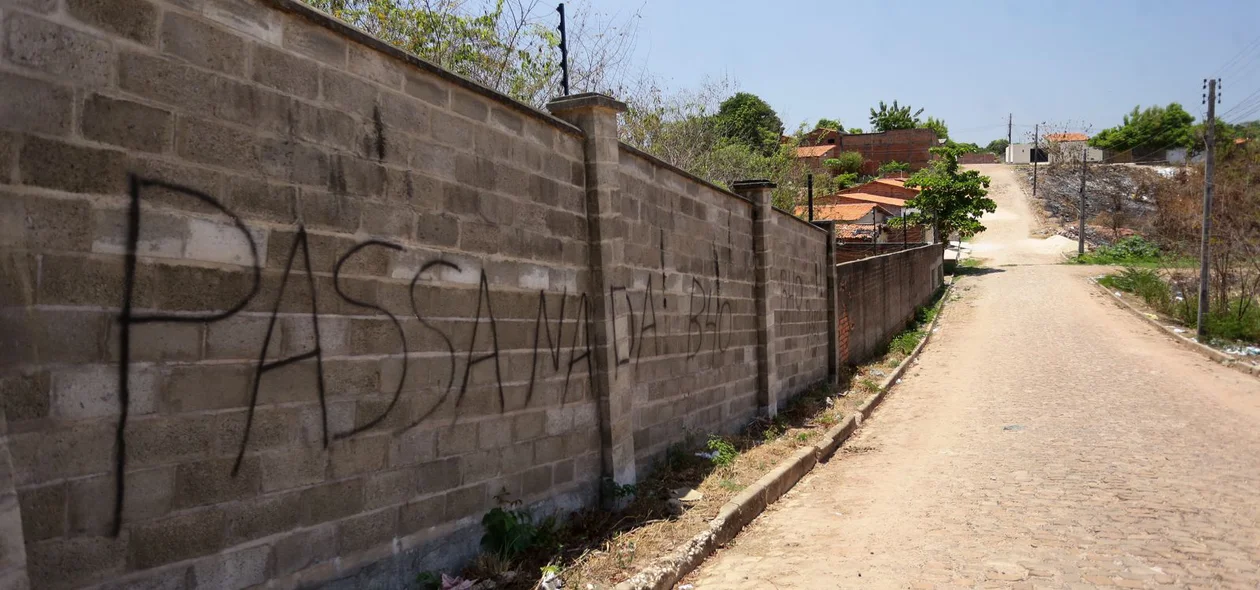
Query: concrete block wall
[[423, 226], [799, 303], [689, 248], [876, 298], [283, 305]]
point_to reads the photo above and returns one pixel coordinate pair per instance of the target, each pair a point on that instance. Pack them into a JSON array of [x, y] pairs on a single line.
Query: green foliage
[[905, 342], [1143, 282], [1150, 129], [965, 148], [937, 125], [1130, 250], [888, 118], [829, 124], [512, 531], [953, 197], [746, 119], [617, 491], [893, 166], [869, 384], [429, 580], [725, 453], [730, 486], [845, 163], [997, 146], [856, 130]]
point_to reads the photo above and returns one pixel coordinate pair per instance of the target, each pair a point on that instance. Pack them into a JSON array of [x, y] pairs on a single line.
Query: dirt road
[[1045, 438]]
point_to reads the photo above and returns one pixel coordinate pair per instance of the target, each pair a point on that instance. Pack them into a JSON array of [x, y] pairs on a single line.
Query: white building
[[1056, 147]]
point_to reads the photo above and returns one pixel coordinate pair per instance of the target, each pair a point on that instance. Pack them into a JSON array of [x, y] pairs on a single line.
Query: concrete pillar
[[829, 272], [758, 191], [596, 115]]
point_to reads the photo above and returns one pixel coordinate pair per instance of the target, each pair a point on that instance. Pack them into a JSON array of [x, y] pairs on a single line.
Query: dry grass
[[600, 549]]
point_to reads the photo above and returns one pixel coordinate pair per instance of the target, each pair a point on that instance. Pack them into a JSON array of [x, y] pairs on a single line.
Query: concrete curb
[[753, 500], [1187, 343]]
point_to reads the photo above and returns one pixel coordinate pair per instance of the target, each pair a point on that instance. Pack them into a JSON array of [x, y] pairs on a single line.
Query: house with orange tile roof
[[856, 212]]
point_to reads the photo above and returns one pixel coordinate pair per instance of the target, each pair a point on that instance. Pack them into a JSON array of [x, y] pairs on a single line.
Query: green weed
[[725, 453]]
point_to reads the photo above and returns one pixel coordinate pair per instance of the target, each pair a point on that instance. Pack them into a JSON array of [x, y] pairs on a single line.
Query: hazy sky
[[965, 61]]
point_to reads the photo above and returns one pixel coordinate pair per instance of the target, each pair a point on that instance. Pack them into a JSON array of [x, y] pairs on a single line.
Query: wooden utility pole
[[1080, 245], [1036, 129], [1204, 248]]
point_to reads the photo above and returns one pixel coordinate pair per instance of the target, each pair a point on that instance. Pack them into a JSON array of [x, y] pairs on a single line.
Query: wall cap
[[752, 184], [586, 100]]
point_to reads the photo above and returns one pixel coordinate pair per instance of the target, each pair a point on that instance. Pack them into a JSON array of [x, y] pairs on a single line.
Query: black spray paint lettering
[[636, 318], [128, 316], [710, 315]]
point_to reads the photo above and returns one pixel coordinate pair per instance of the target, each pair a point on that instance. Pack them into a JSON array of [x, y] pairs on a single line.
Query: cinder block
[[259, 108], [25, 396], [171, 539], [437, 476], [466, 501], [328, 210], [211, 482], [375, 66], [536, 481], [163, 439], [58, 50], [232, 571], [256, 518], [203, 44], [436, 229], [389, 488], [315, 41], [240, 337], [147, 495], [213, 241], [367, 530], [293, 468], [191, 388], [132, 19], [387, 221], [362, 453], [413, 446], [91, 391], [305, 548], [332, 501], [47, 455], [35, 106], [57, 165], [273, 427], [43, 512], [203, 141], [469, 105], [126, 124], [421, 514], [251, 18], [73, 562], [260, 200], [480, 466], [455, 440], [329, 127], [427, 88], [563, 472], [167, 81], [347, 92], [529, 426]]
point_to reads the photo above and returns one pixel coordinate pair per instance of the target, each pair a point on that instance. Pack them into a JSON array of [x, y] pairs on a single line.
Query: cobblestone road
[[1045, 438]]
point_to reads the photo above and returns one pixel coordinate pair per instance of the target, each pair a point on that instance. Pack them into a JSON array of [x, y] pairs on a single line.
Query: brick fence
[[282, 304]]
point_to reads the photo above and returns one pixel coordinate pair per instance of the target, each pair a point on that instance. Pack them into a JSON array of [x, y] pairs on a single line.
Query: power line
[[1254, 44]]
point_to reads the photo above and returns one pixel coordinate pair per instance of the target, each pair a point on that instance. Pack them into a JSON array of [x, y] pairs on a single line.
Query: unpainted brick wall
[[356, 299], [876, 297]]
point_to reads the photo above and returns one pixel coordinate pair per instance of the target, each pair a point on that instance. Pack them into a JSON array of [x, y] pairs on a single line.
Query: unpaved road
[[1045, 438]]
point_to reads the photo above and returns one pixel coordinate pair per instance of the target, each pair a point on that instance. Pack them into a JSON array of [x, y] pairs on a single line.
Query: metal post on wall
[[809, 182], [564, 53], [904, 229]]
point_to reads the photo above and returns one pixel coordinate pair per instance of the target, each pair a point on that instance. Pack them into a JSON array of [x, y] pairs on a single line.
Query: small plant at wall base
[[724, 453]]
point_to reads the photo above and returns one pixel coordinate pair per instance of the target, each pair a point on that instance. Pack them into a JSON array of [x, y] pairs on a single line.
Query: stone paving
[[1045, 439]]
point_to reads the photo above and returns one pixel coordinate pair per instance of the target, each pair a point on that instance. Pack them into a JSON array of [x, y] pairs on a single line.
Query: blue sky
[[968, 62]]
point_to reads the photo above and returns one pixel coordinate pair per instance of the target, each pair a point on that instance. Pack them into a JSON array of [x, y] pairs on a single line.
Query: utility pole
[[1080, 244], [809, 180], [1208, 168], [1036, 129], [1009, 119]]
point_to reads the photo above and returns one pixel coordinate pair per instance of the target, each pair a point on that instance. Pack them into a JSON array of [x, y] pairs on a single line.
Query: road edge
[[1185, 342], [741, 510]]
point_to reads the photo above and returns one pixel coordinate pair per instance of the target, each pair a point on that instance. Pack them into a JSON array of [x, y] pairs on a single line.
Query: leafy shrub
[[1133, 249], [905, 342], [511, 532], [1143, 282], [845, 163], [893, 166], [724, 453]]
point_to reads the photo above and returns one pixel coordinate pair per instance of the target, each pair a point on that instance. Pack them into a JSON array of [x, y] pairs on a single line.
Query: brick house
[[901, 145]]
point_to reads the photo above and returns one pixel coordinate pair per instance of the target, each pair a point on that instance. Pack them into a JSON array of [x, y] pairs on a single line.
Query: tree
[[747, 119], [833, 124], [845, 163], [501, 44], [895, 117], [951, 196], [1149, 130], [856, 130], [997, 146], [937, 125], [893, 167]]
